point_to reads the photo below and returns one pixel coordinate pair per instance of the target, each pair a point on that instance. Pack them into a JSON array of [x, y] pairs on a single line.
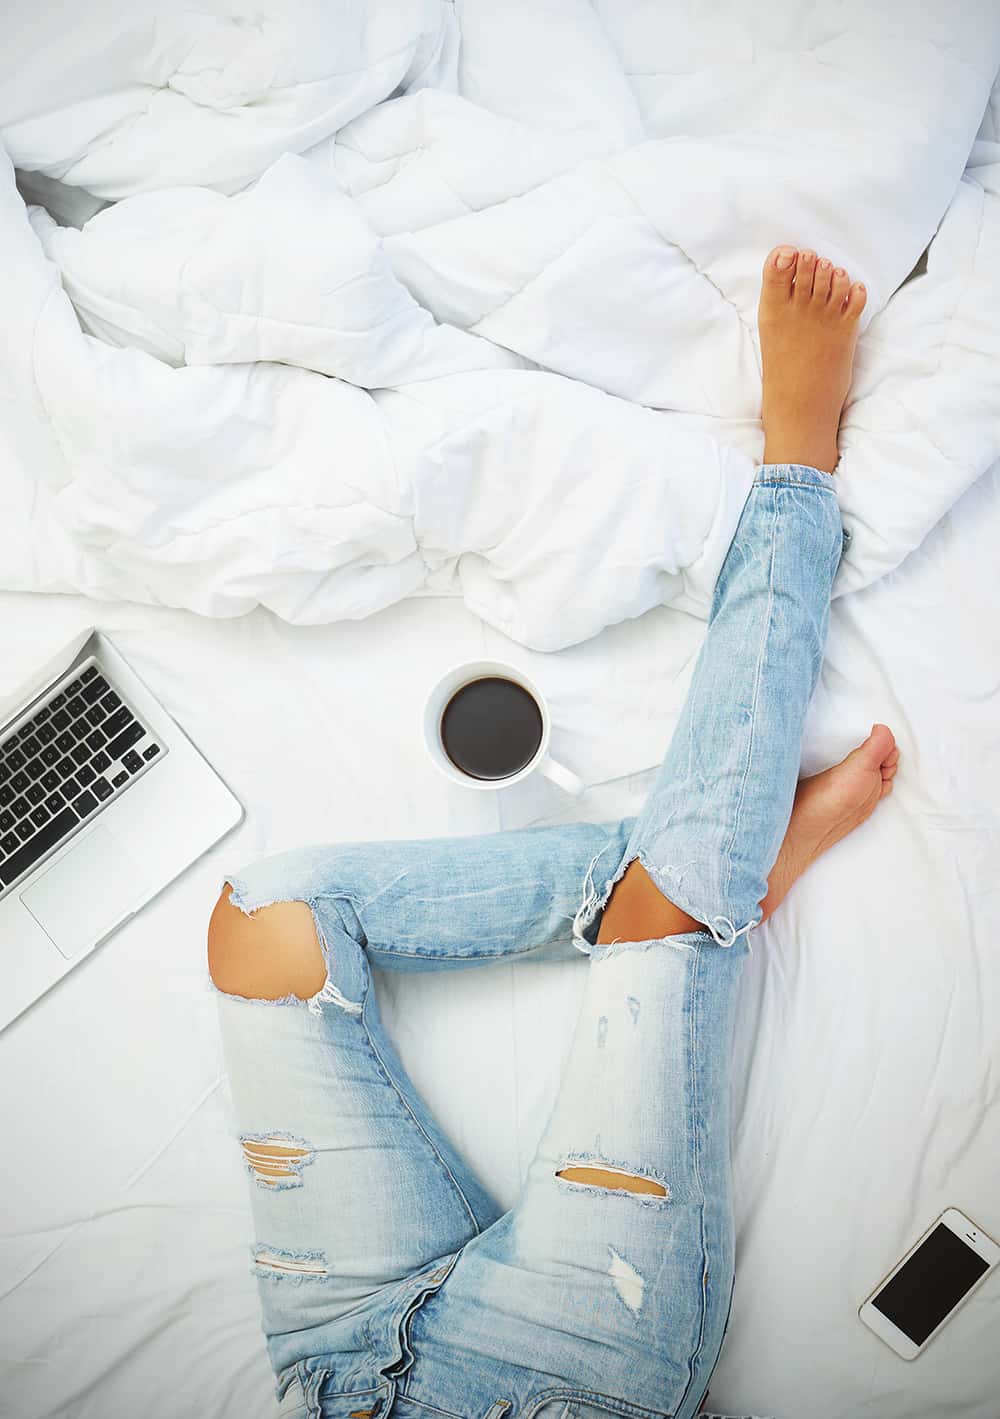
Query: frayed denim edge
[[594, 902], [329, 994], [259, 1268], [592, 1160]]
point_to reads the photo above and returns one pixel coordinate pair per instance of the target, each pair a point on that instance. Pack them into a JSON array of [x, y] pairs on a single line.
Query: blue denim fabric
[[390, 1280]]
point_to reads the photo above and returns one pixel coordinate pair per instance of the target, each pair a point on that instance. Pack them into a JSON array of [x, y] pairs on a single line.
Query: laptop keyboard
[[77, 753]]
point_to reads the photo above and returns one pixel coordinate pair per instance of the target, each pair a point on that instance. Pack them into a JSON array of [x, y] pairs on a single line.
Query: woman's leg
[[613, 1272], [355, 1188], [614, 1269]]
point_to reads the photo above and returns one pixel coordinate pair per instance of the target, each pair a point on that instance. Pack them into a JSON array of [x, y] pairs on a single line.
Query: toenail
[[840, 271], [824, 265], [809, 256], [784, 259]]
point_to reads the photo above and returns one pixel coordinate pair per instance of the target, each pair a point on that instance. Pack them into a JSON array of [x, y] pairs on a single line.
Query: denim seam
[[416, 1122], [378, 1391], [789, 472], [616, 1406], [753, 708], [463, 956], [431, 1408], [694, 1124], [787, 483]]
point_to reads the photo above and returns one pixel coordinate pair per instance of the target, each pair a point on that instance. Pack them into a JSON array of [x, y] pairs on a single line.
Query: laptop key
[[7, 819], [30, 746], [119, 779], [65, 741], [95, 714], [75, 706], [89, 673], [93, 692], [71, 788], [24, 830], [42, 715], [45, 734], [96, 740], [65, 768], [16, 759], [81, 753], [151, 752], [9, 844], [102, 788], [20, 807], [6, 794], [132, 761], [51, 781], [20, 782], [85, 775], [54, 802], [50, 755], [53, 832], [35, 793], [39, 816], [61, 720], [57, 701], [117, 722], [125, 740], [34, 768], [85, 803], [100, 762], [111, 701]]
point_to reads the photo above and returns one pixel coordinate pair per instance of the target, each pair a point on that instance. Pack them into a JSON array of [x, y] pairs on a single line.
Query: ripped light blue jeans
[[390, 1281]]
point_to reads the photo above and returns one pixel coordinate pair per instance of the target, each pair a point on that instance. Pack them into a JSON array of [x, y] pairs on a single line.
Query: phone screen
[[931, 1284]]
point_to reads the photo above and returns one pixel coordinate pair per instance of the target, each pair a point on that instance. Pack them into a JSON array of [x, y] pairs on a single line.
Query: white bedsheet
[[462, 297], [559, 223], [867, 1056]]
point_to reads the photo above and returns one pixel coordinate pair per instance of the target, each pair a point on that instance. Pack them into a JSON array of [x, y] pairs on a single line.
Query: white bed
[[866, 1063], [867, 1057]]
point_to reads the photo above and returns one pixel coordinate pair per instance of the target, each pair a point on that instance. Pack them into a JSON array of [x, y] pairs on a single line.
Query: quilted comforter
[[318, 306]]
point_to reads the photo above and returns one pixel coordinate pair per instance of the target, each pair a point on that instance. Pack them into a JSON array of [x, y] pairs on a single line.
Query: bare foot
[[808, 321], [830, 805]]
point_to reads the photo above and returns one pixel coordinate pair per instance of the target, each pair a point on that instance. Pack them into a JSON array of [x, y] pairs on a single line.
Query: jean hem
[[797, 475]]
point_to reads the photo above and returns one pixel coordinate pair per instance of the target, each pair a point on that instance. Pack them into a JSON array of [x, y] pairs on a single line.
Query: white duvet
[[318, 306]]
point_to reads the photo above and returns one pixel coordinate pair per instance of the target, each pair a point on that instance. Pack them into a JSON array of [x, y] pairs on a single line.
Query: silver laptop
[[103, 801]]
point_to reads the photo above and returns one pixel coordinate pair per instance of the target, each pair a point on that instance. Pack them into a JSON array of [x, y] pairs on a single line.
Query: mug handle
[[561, 777]]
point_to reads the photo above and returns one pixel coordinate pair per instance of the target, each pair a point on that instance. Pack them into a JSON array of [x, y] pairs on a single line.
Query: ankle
[[814, 451]]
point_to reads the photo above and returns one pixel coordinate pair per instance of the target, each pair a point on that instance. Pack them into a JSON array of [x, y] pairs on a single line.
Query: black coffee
[[491, 728]]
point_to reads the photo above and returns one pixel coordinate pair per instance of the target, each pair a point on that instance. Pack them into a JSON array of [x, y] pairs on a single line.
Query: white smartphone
[[939, 1272]]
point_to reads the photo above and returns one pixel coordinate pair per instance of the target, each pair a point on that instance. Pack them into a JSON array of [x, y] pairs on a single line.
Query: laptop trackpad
[[87, 892]]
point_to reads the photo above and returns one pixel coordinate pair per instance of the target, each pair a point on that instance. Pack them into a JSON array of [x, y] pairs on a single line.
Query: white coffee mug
[[437, 702]]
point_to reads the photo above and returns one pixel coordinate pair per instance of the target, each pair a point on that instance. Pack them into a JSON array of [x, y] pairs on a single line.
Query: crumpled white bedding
[[524, 240], [868, 1044], [346, 303]]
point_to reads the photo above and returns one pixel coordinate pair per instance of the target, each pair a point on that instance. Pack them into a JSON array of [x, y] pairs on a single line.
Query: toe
[[856, 301], [839, 287], [821, 280], [877, 747], [779, 269], [804, 269]]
